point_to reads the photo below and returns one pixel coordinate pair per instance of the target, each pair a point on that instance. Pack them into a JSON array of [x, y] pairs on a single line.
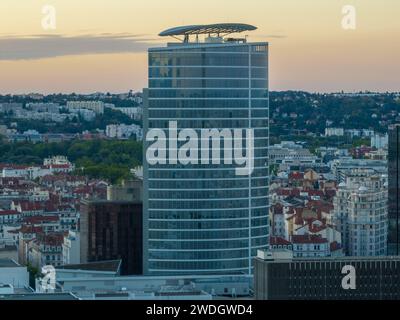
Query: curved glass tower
[[206, 219]]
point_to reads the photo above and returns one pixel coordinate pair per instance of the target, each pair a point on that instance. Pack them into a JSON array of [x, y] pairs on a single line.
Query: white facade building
[[361, 214], [123, 131], [11, 273], [310, 246], [135, 113], [331, 132], [380, 141], [71, 248], [96, 106]]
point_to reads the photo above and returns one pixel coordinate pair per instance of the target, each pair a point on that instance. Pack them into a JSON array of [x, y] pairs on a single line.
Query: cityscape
[[207, 184]]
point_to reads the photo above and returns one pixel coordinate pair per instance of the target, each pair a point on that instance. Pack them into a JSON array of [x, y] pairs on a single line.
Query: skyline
[[101, 46]]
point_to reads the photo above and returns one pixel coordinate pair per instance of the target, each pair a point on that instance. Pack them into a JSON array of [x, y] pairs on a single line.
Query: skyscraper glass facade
[[394, 192], [206, 219]]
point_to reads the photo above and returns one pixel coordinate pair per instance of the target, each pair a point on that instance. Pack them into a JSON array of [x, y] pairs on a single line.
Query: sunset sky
[[100, 45]]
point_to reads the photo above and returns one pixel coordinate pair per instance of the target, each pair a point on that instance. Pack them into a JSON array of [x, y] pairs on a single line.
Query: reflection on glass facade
[[205, 219], [394, 192]]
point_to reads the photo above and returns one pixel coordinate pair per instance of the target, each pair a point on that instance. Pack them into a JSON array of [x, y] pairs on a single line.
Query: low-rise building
[[12, 273], [278, 275]]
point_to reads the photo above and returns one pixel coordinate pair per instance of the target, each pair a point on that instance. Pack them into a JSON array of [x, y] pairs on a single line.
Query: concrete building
[[361, 214], [71, 248], [332, 132], [44, 107], [112, 230], [278, 153], [345, 166], [280, 276], [135, 113], [11, 273], [394, 190], [123, 131], [91, 282], [45, 250], [379, 141], [130, 190], [96, 106], [310, 246]]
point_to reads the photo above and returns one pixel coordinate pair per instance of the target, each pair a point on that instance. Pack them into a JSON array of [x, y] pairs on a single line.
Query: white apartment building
[[310, 246], [278, 153], [361, 214], [57, 160], [123, 131], [71, 248], [96, 106], [380, 141], [44, 107], [135, 113], [345, 166], [331, 132]]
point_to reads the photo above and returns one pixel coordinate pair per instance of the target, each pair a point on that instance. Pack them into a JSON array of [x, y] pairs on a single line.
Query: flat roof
[[101, 266], [8, 263], [208, 29], [173, 46], [110, 202], [332, 259], [39, 296]]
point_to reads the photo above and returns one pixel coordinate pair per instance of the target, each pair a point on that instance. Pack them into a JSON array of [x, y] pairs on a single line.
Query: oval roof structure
[[208, 29]]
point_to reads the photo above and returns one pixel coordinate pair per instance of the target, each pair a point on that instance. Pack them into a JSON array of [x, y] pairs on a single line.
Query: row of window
[[208, 93], [207, 59], [199, 104], [234, 215], [207, 225], [208, 185], [216, 113], [207, 72], [231, 244], [207, 195], [207, 83], [204, 174], [209, 204]]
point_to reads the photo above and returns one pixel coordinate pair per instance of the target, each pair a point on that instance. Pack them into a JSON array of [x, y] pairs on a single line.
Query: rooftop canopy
[[220, 28]]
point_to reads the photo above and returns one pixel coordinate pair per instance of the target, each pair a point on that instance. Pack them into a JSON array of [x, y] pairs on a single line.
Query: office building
[[204, 218], [112, 230], [129, 190], [279, 276], [394, 191]]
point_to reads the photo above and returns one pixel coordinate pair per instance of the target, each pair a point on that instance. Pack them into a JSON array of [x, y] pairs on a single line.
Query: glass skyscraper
[[206, 219], [394, 191]]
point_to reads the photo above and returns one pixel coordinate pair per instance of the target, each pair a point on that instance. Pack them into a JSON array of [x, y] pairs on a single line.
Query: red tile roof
[[41, 219], [296, 176], [305, 239], [9, 212], [26, 228], [278, 241], [52, 239]]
